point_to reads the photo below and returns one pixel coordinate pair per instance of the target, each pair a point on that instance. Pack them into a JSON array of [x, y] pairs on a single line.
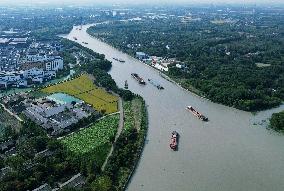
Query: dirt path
[[11, 113], [119, 130]]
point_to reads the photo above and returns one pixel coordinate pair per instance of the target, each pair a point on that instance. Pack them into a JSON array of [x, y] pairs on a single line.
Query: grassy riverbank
[[213, 66], [129, 146]]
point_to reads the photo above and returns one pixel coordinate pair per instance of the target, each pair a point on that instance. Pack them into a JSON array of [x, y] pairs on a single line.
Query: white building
[[54, 64], [36, 58], [10, 76], [22, 83], [49, 74], [51, 62], [33, 73]]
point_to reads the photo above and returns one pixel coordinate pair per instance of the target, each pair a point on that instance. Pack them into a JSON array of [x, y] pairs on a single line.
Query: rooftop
[[44, 187]]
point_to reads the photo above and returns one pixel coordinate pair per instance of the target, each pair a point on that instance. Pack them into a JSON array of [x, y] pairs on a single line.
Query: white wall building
[[49, 74], [33, 72], [22, 83], [54, 64], [10, 76], [36, 58]]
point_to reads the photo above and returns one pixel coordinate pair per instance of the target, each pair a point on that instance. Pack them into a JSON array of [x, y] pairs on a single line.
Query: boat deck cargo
[[196, 113], [138, 78], [174, 141], [156, 84]]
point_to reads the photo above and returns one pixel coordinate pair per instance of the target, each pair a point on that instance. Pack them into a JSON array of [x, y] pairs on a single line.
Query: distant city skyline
[[107, 2]]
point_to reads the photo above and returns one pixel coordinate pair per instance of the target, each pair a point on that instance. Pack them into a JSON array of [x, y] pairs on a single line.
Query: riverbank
[[261, 117], [215, 81], [129, 145], [82, 154], [130, 141], [163, 74], [229, 139]]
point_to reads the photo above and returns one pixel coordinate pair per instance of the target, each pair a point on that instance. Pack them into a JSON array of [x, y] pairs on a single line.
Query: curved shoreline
[[172, 80], [229, 139], [141, 148], [160, 73]]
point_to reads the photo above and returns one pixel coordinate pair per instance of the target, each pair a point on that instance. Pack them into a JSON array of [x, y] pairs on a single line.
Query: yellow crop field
[[84, 89]]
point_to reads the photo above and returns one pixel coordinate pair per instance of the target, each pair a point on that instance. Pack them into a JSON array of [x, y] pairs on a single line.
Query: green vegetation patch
[[132, 114], [277, 121], [84, 89], [129, 145], [92, 138]]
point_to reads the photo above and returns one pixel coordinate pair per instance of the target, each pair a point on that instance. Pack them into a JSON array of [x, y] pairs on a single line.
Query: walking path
[[119, 130], [11, 113]]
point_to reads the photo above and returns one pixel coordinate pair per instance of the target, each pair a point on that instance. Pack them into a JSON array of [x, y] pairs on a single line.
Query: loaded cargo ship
[[196, 113], [174, 141], [156, 84], [138, 78]]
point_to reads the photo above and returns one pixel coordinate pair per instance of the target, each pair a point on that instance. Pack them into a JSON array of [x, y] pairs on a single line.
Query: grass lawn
[[84, 89]]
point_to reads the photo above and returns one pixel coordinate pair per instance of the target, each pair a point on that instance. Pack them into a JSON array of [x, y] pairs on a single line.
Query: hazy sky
[[66, 2]]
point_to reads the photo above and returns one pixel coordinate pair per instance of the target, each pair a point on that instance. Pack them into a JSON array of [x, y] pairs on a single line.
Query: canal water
[[17, 90], [233, 151]]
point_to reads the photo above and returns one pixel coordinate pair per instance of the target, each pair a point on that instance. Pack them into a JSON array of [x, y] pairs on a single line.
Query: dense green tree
[[233, 63], [102, 183], [277, 121]]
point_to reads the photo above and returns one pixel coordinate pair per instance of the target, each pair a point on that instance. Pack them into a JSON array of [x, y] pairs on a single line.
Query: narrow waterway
[[233, 151], [17, 90]]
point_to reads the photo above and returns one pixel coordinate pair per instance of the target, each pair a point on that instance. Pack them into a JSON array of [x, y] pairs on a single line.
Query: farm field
[[95, 140], [83, 88]]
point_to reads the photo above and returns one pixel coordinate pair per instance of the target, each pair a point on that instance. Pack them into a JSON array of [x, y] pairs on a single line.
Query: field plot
[[84, 89], [95, 140]]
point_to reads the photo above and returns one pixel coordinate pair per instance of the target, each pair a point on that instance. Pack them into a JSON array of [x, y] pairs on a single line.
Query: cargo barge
[[174, 141], [196, 113], [119, 60], [85, 43], [138, 78], [156, 84]]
